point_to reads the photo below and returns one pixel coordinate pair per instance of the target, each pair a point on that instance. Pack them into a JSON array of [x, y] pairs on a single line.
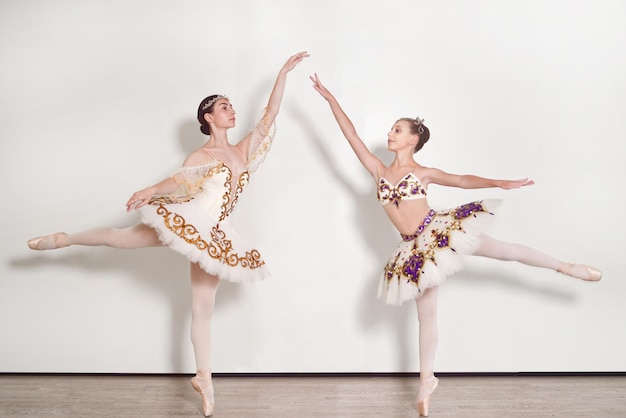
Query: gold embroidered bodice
[[218, 184], [211, 185]]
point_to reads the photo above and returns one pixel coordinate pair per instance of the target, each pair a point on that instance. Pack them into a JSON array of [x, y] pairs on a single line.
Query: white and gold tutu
[[424, 259], [194, 220]]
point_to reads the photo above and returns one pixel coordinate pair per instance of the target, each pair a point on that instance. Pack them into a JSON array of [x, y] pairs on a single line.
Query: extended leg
[[203, 289], [428, 339], [137, 236], [501, 250]]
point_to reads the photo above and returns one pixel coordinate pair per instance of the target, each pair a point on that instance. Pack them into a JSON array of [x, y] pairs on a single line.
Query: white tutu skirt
[[185, 226], [425, 258]]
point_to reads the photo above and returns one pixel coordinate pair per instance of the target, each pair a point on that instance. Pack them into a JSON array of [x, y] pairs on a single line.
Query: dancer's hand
[[317, 85], [293, 61], [514, 184], [276, 96], [139, 199]]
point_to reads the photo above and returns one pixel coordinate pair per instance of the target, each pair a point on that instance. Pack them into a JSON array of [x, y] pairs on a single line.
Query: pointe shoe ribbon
[[423, 397], [47, 242]]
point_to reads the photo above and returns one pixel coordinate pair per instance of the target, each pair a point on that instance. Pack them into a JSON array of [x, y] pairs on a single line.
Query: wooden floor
[[155, 396]]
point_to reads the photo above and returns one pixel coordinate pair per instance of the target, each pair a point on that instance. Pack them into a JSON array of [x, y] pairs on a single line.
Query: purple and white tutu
[[424, 259]]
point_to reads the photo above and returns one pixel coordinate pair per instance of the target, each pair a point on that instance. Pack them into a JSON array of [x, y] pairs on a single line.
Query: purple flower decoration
[[467, 210], [413, 267], [443, 240]]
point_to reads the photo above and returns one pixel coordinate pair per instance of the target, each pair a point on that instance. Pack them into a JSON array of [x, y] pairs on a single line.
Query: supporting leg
[[203, 289], [428, 339]]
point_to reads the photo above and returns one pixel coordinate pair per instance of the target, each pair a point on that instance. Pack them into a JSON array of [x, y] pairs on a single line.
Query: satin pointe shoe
[[580, 271], [204, 386], [423, 397], [47, 242]]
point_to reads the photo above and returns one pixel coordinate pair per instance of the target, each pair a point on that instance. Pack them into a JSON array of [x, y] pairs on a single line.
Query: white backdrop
[[98, 100]]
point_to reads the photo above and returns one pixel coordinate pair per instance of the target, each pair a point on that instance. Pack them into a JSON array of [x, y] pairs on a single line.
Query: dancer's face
[[400, 136], [223, 115]]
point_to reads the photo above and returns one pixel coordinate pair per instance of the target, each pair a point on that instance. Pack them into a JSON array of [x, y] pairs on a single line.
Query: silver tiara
[[212, 101], [420, 125]]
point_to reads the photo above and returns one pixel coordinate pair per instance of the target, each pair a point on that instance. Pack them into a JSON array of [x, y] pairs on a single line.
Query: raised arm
[[369, 160], [276, 98], [468, 181]]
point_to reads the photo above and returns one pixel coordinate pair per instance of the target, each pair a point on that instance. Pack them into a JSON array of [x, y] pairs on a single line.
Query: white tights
[[203, 289], [506, 251], [138, 236], [203, 285], [428, 331], [427, 303]]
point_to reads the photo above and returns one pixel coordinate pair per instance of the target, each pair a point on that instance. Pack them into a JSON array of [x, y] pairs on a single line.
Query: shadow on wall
[[514, 282], [381, 239], [190, 137], [157, 269]]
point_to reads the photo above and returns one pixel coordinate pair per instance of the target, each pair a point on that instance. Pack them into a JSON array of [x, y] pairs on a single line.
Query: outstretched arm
[[142, 197], [469, 181], [369, 160]]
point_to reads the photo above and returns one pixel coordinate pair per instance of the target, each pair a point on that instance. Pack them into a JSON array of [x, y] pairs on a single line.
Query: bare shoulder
[[199, 157], [428, 174]]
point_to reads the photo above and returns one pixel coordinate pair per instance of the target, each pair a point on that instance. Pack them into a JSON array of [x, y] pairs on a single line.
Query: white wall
[[98, 100]]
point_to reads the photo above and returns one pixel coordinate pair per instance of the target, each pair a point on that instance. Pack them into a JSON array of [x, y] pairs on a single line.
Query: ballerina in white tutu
[[432, 241], [189, 212]]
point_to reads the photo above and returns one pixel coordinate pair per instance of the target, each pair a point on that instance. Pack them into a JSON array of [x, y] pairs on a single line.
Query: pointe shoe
[[47, 242], [204, 387], [423, 397], [423, 407], [580, 271]]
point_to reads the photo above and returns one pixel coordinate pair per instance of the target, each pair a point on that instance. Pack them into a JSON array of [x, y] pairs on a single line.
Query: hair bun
[[205, 130]]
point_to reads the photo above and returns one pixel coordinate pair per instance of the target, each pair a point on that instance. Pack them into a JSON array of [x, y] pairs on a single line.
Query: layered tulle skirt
[[424, 259], [186, 226]]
